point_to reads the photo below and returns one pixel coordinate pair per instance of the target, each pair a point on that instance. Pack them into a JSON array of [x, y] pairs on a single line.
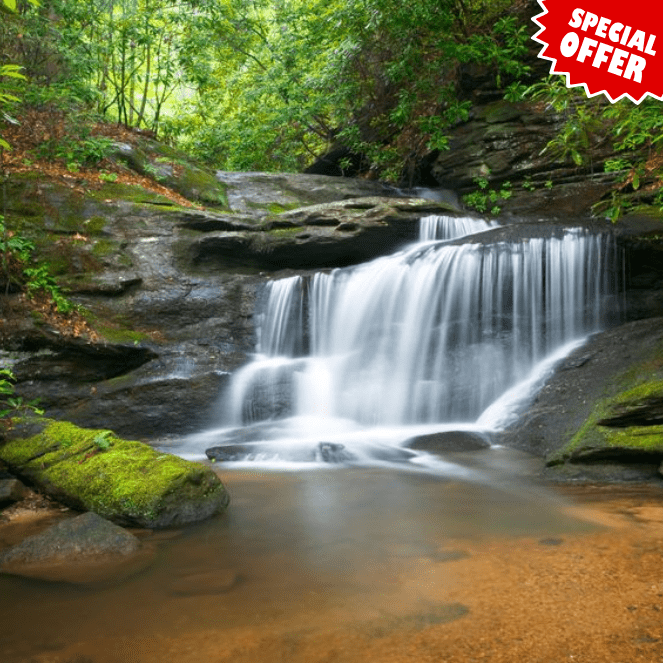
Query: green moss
[[120, 334], [652, 211], [104, 247], [593, 440], [285, 232], [95, 225], [119, 479], [130, 193], [275, 208], [640, 393]]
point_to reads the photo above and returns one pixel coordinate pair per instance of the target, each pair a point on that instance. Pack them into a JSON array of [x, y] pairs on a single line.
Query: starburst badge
[[606, 46]]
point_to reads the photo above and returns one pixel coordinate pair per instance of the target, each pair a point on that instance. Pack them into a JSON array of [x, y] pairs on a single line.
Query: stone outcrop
[[171, 290], [508, 142], [317, 237], [596, 417], [448, 441]]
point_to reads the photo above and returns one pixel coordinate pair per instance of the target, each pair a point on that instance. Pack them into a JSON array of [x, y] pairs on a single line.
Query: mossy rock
[[124, 481], [621, 428]]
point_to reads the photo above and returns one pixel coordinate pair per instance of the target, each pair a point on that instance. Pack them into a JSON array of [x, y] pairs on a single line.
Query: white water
[[436, 337]]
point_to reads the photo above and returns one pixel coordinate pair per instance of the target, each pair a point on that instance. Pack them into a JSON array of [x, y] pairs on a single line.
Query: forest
[[270, 85]]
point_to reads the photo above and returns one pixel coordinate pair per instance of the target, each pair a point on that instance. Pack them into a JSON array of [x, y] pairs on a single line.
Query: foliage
[[633, 135], [15, 252], [39, 280], [284, 80], [77, 152], [485, 198], [12, 406], [271, 84]]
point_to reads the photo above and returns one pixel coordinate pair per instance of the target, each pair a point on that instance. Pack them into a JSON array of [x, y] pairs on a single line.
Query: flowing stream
[[443, 335]]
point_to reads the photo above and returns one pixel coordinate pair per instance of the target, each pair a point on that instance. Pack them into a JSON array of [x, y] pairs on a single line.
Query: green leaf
[[636, 180], [4, 145], [10, 5]]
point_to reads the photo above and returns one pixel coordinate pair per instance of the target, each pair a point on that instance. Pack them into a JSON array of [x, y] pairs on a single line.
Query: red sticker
[[604, 46]]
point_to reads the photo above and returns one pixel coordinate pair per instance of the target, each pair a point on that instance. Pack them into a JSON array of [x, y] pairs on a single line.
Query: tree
[[286, 78]]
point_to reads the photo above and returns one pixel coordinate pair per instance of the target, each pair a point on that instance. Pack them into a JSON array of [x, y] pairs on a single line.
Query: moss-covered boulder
[[127, 482]]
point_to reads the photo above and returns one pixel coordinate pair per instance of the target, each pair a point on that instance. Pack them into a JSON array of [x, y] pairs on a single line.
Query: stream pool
[[372, 549]]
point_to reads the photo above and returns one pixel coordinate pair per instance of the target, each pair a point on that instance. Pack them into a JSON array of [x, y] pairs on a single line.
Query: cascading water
[[432, 335]]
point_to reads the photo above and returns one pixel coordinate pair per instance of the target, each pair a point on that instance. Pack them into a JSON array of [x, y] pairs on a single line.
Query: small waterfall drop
[[430, 336]]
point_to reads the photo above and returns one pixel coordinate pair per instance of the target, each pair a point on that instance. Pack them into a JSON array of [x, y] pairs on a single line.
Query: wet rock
[[233, 452], [552, 541], [11, 491], [84, 549], [86, 362], [332, 452], [449, 441], [449, 555], [389, 454], [137, 404], [439, 614], [615, 379]]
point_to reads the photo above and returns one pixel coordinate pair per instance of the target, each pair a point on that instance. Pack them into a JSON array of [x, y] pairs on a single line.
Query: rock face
[[83, 549], [171, 290], [317, 237], [597, 416], [11, 490], [270, 193], [126, 482], [506, 142]]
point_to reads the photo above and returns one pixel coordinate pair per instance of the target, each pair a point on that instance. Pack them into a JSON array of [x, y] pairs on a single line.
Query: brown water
[[352, 553]]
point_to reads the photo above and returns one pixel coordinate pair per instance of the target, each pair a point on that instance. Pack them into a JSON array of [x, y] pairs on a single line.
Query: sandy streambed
[[372, 565]]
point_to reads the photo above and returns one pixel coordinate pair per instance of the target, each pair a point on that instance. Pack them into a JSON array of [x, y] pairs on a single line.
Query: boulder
[[448, 441], [83, 549], [11, 491], [127, 482]]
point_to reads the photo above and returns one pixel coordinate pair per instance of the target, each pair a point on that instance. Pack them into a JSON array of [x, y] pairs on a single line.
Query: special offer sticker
[[607, 46]]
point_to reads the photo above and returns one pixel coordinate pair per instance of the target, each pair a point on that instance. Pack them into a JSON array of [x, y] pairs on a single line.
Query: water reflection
[[295, 550]]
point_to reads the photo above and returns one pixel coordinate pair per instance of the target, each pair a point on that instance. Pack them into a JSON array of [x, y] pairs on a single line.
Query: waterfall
[[430, 335], [450, 227]]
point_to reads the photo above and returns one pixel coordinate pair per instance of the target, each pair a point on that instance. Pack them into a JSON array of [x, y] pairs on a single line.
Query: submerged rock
[[448, 441], [127, 482], [218, 581], [332, 452], [83, 549]]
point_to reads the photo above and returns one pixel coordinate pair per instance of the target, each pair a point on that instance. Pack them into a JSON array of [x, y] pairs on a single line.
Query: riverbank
[[405, 567]]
